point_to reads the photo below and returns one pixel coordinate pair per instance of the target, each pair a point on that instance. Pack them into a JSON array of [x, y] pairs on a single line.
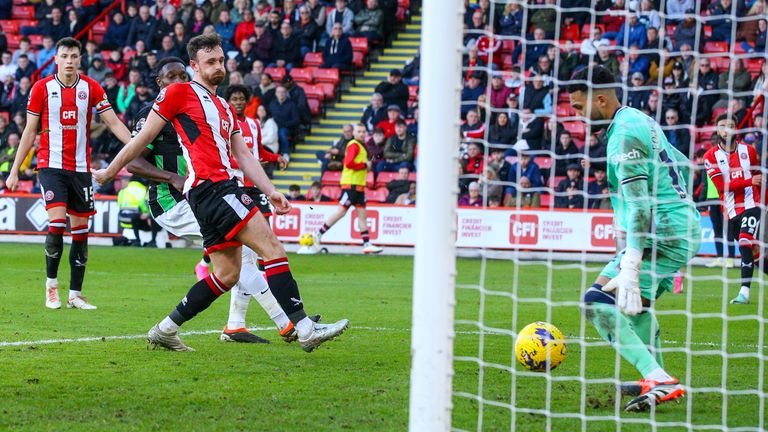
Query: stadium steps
[[304, 167]]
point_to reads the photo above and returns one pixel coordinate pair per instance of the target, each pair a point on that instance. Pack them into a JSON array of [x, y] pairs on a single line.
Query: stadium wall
[[391, 225]]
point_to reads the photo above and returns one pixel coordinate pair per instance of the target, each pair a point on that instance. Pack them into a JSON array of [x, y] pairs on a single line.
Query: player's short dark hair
[[724, 116], [69, 42], [202, 42], [237, 88], [168, 60], [601, 77]]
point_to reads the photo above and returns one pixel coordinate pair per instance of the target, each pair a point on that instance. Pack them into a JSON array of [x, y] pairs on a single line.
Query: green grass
[[358, 382]]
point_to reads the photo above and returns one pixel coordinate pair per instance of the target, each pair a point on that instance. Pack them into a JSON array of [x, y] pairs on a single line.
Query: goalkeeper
[[647, 179]]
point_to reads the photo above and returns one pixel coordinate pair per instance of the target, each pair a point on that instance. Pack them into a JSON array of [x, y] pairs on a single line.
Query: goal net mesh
[[716, 349]]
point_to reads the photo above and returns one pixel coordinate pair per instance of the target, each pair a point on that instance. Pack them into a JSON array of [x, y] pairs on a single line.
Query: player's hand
[[757, 180], [281, 204], [177, 182], [12, 181], [369, 165], [102, 176], [626, 284], [282, 163]]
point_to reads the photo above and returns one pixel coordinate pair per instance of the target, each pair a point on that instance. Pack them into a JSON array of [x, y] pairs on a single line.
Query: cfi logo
[[81, 95], [246, 199], [49, 195]]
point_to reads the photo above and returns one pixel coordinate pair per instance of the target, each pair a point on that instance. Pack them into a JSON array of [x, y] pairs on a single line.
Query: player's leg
[[258, 235], [54, 192], [251, 283], [362, 225], [80, 208], [749, 225], [181, 222], [226, 262]]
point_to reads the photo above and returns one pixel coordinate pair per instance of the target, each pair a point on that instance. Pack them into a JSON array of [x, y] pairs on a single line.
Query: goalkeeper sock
[[614, 327], [255, 285], [647, 328]]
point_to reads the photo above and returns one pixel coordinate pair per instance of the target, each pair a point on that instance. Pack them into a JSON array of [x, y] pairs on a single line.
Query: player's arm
[[723, 184], [252, 169], [133, 148], [25, 144], [142, 168], [117, 127]]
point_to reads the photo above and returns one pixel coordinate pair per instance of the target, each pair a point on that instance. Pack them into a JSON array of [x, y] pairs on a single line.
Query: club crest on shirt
[[161, 96], [743, 156], [225, 126], [246, 199], [81, 95], [49, 195], [707, 164]]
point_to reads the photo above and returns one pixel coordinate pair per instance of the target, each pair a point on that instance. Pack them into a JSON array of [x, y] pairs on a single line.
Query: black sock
[[747, 265], [324, 228], [54, 246], [366, 237], [78, 257], [199, 297], [285, 289]]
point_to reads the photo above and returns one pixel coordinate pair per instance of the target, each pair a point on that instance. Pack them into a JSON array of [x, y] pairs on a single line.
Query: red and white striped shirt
[[253, 140], [205, 124], [65, 121], [731, 173]]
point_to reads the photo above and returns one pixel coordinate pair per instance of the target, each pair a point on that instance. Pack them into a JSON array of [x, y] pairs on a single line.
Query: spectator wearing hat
[[598, 191], [294, 193], [679, 76], [394, 91], [512, 108], [570, 190], [261, 42], [388, 124], [286, 115], [678, 135], [522, 171], [637, 98], [374, 113], [399, 151], [673, 99], [338, 51], [472, 90], [286, 48]]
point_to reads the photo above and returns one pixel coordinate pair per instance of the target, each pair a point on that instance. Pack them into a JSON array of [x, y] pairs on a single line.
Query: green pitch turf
[[358, 382]]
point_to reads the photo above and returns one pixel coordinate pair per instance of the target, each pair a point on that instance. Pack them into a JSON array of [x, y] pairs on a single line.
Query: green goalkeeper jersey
[[648, 182]]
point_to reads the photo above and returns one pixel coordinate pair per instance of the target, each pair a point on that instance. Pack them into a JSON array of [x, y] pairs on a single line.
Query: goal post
[[435, 256]]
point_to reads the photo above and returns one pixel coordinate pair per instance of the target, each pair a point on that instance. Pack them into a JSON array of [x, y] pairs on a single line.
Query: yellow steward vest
[[355, 177]]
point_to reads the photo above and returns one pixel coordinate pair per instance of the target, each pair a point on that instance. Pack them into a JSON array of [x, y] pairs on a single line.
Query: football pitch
[[99, 375]]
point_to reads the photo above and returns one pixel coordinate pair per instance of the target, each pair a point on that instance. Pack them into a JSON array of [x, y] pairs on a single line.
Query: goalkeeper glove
[[627, 284]]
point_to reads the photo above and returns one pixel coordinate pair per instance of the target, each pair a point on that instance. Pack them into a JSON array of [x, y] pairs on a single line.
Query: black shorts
[[222, 209], [70, 189], [745, 226], [353, 196], [261, 200]]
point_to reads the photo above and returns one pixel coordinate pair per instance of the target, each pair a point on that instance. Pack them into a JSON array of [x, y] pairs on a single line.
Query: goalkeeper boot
[[370, 249], [79, 302], [653, 393], [740, 299], [52, 297], [288, 333], [322, 333], [170, 341], [240, 335]]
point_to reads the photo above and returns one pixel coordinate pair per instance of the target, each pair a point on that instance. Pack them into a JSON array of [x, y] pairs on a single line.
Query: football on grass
[[306, 240], [540, 346]]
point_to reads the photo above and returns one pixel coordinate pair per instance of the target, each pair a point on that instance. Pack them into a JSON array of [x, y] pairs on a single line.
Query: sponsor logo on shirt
[[634, 154]]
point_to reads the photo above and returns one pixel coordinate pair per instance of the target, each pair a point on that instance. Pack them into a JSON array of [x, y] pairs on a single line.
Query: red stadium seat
[[587, 29], [577, 129], [277, 73], [544, 162], [329, 90], [404, 3], [717, 112], [313, 91], [331, 178], [369, 180], [99, 28], [707, 31], [327, 76], [507, 46], [332, 192], [412, 177], [506, 62], [564, 110], [376, 195], [720, 64], [359, 44], [358, 60], [35, 40], [13, 40], [27, 22], [754, 65], [9, 26], [313, 59], [301, 75], [25, 186], [716, 47], [546, 201], [413, 93], [23, 12], [314, 107], [384, 178], [571, 32], [554, 181]]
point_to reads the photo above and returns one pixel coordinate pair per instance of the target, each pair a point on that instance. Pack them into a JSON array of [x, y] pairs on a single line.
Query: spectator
[[474, 28], [394, 91], [598, 192], [44, 9], [266, 90], [512, 110], [299, 98], [269, 129], [25, 68], [286, 116], [566, 153], [261, 42], [21, 95], [399, 151], [198, 23], [388, 124], [606, 58], [369, 22], [143, 28], [543, 67], [472, 90], [245, 28], [316, 194], [111, 88], [56, 27], [760, 41], [631, 33], [472, 164], [286, 50], [306, 30], [722, 27], [707, 91], [502, 132], [677, 8], [648, 16], [510, 22], [614, 19], [527, 197], [127, 91], [523, 168], [537, 97], [637, 98], [44, 54], [736, 82], [165, 24], [473, 198], [569, 192], [679, 76], [568, 61], [8, 154], [473, 127], [180, 39], [638, 62], [253, 78], [481, 107], [294, 193], [226, 29], [317, 12], [23, 48], [274, 23], [7, 67], [374, 113], [412, 70], [652, 107], [589, 46], [117, 65], [677, 135], [98, 70], [413, 126], [685, 32], [531, 129], [341, 14], [399, 185], [338, 52], [545, 18], [673, 99], [533, 49], [213, 8], [375, 146], [760, 85], [473, 64], [408, 198], [333, 158]]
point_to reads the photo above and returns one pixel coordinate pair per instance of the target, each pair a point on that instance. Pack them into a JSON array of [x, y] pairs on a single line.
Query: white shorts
[[180, 221]]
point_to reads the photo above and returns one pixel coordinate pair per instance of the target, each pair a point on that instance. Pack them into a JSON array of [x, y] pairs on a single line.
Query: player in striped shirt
[[734, 169], [62, 106]]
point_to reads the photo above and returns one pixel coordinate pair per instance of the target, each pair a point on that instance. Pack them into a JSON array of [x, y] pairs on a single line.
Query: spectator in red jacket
[[246, 28], [388, 125]]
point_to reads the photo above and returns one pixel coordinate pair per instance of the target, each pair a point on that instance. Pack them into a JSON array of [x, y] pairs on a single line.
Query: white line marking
[[668, 343]]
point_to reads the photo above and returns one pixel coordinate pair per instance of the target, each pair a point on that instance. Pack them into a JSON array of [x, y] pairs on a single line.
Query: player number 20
[[750, 222]]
